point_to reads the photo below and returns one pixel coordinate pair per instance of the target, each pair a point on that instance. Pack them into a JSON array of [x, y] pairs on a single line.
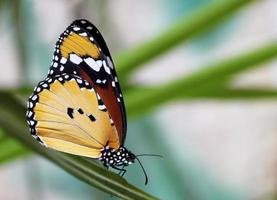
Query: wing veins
[[74, 122], [76, 125]]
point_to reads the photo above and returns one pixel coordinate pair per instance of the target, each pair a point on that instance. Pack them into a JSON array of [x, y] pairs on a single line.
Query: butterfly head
[[121, 158]]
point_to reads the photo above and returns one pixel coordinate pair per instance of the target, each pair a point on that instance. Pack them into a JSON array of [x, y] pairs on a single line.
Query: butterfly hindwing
[[66, 113], [82, 51]]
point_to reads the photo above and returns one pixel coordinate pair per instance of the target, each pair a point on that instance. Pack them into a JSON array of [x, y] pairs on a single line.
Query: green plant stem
[[12, 115], [140, 101], [186, 28]]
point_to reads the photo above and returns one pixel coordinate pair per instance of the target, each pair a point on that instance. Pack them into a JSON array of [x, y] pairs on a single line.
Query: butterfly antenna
[[144, 172], [151, 155]]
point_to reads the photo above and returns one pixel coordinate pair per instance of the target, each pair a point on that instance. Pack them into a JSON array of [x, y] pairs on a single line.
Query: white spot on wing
[[99, 62], [107, 69], [110, 63], [83, 34], [34, 97], [61, 68], [76, 28], [101, 107], [75, 59], [63, 60], [30, 114], [55, 64], [113, 84], [79, 81], [91, 62]]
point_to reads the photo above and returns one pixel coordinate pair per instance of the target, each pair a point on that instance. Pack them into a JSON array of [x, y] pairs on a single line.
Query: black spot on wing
[[70, 112], [91, 117], [80, 111]]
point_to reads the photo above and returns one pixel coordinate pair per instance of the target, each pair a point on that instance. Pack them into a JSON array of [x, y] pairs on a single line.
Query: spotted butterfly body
[[79, 107]]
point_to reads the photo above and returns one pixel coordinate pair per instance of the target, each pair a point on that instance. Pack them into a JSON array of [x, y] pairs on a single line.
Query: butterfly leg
[[105, 165], [121, 170]]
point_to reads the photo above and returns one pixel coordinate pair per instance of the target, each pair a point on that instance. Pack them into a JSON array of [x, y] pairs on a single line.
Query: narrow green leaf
[[186, 28], [232, 94], [222, 93], [140, 101], [12, 121], [9, 150]]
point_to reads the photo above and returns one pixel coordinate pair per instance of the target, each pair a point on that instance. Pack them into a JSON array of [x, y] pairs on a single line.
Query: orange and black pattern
[[65, 113], [79, 107], [82, 51]]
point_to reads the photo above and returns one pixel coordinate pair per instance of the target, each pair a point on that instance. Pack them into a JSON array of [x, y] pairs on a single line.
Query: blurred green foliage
[[211, 81]]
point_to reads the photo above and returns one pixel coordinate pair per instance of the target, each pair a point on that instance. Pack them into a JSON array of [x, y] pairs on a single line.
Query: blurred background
[[213, 148]]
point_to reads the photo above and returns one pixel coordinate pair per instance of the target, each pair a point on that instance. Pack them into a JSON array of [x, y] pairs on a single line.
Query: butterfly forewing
[[82, 51], [66, 113]]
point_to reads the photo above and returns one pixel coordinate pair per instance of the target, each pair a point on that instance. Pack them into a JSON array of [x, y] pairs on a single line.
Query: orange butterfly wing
[[66, 113]]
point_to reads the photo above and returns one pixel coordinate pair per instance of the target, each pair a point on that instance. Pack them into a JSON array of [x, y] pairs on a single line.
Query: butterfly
[[79, 108]]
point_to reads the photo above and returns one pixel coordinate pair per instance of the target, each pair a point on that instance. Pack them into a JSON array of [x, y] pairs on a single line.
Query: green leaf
[[219, 93], [12, 120], [232, 94], [10, 149], [211, 75], [186, 28]]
